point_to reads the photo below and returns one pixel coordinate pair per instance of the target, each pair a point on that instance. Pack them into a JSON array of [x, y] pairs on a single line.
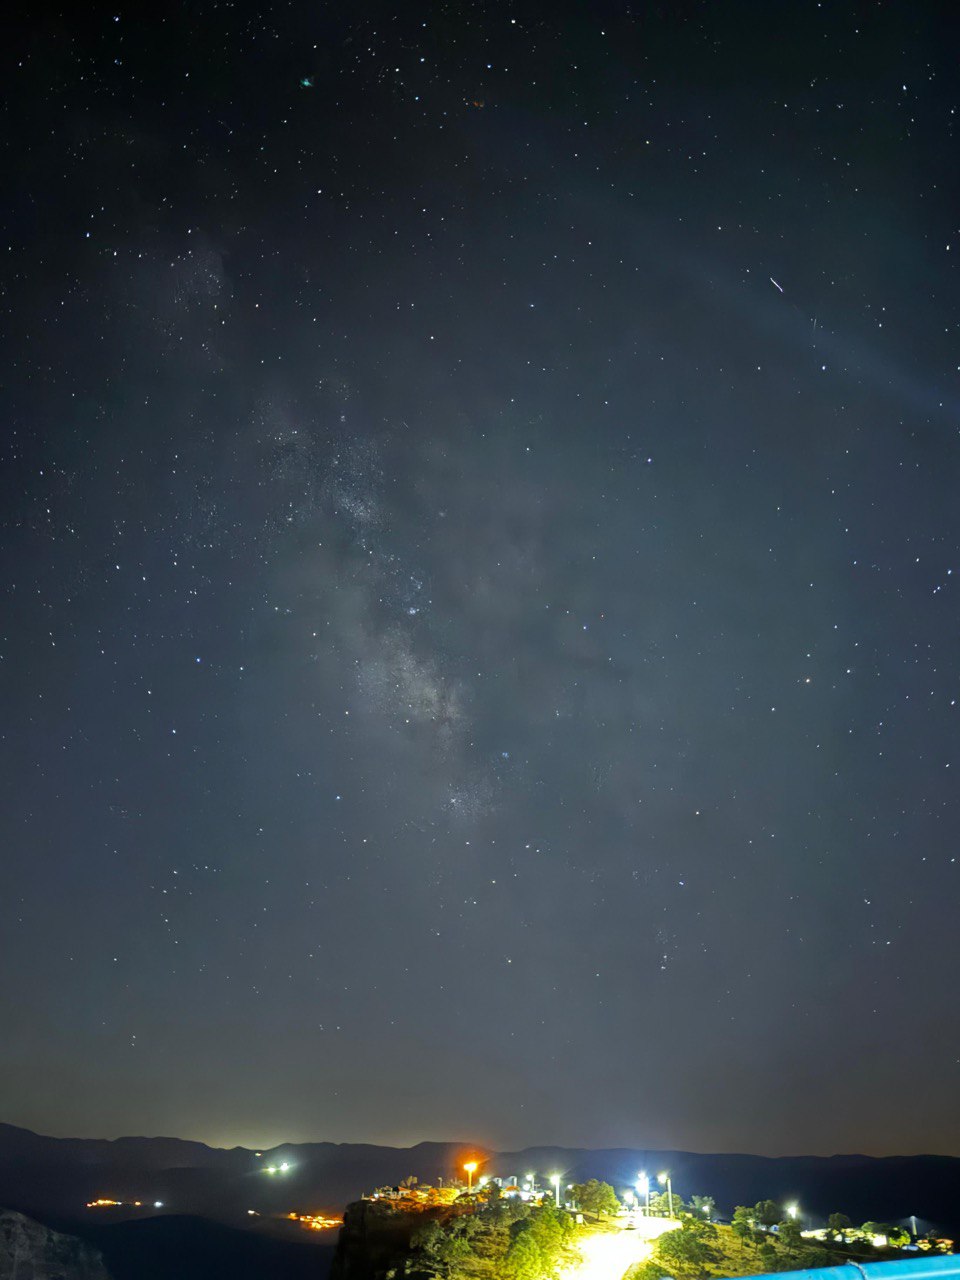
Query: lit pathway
[[608, 1254]]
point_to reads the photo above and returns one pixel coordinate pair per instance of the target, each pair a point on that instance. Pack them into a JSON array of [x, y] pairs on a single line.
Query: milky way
[[479, 532]]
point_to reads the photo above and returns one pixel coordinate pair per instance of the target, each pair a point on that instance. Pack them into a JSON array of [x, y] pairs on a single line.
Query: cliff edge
[[31, 1251]]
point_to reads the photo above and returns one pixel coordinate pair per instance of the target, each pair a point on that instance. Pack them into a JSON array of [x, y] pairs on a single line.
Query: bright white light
[[284, 1167], [608, 1253], [555, 1179], [158, 1204], [793, 1210]]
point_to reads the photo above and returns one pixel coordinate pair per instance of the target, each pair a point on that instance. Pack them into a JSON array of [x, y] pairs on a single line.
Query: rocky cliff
[[30, 1251], [375, 1239]]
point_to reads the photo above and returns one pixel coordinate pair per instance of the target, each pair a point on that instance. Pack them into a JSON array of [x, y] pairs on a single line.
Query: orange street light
[[470, 1168]]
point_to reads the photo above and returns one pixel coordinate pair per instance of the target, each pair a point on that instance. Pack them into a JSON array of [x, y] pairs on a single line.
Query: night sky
[[480, 563]]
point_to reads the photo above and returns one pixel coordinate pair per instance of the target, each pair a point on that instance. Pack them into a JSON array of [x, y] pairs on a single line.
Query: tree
[[789, 1234], [524, 1260], [767, 1213], [490, 1192], [546, 1230], [687, 1253], [838, 1224], [596, 1197], [767, 1253], [743, 1221], [703, 1207], [661, 1202]]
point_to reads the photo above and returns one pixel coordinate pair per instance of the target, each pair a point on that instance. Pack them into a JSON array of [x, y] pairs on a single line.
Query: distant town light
[[158, 1204]]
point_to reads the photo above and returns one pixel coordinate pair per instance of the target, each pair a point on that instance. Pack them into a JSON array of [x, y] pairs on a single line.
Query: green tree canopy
[[661, 1202], [703, 1207], [767, 1213], [789, 1234], [743, 1221], [686, 1253], [524, 1260], [839, 1224], [596, 1197]]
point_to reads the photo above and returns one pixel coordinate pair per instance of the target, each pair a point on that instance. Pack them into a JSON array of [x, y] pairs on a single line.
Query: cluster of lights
[[278, 1168], [104, 1203], [470, 1169], [315, 1221]]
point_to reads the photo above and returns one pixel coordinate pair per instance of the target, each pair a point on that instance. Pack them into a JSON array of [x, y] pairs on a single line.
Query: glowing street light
[[643, 1188], [793, 1210], [555, 1179], [470, 1168], [664, 1179]]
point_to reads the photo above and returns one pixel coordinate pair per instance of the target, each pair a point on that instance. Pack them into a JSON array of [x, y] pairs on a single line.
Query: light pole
[[555, 1179], [793, 1210], [643, 1187], [470, 1169], [664, 1178]]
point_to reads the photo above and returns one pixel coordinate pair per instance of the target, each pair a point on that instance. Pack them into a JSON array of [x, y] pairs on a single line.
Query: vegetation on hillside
[[503, 1240], [759, 1240]]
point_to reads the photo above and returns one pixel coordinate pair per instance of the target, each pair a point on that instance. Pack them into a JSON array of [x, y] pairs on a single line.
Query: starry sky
[[480, 547]]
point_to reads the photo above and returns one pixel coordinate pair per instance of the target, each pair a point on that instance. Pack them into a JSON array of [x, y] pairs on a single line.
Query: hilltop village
[[530, 1227]]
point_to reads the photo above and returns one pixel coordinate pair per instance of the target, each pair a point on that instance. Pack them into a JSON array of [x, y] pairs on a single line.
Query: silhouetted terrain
[[54, 1178]]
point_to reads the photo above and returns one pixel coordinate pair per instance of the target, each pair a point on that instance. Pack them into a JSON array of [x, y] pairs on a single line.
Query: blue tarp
[[936, 1268]]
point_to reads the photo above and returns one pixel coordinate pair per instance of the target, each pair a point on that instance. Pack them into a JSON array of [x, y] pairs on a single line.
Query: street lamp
[[555, 1179], [470, 1169], [793, 1210], [664, 1178], [643, 1188]]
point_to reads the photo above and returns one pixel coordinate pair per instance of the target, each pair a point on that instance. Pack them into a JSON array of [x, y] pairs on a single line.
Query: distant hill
[[55, 1177]]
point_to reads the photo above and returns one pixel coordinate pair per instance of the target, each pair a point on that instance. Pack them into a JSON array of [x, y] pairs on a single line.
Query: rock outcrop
[[375, 1239], [31, 1251]]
